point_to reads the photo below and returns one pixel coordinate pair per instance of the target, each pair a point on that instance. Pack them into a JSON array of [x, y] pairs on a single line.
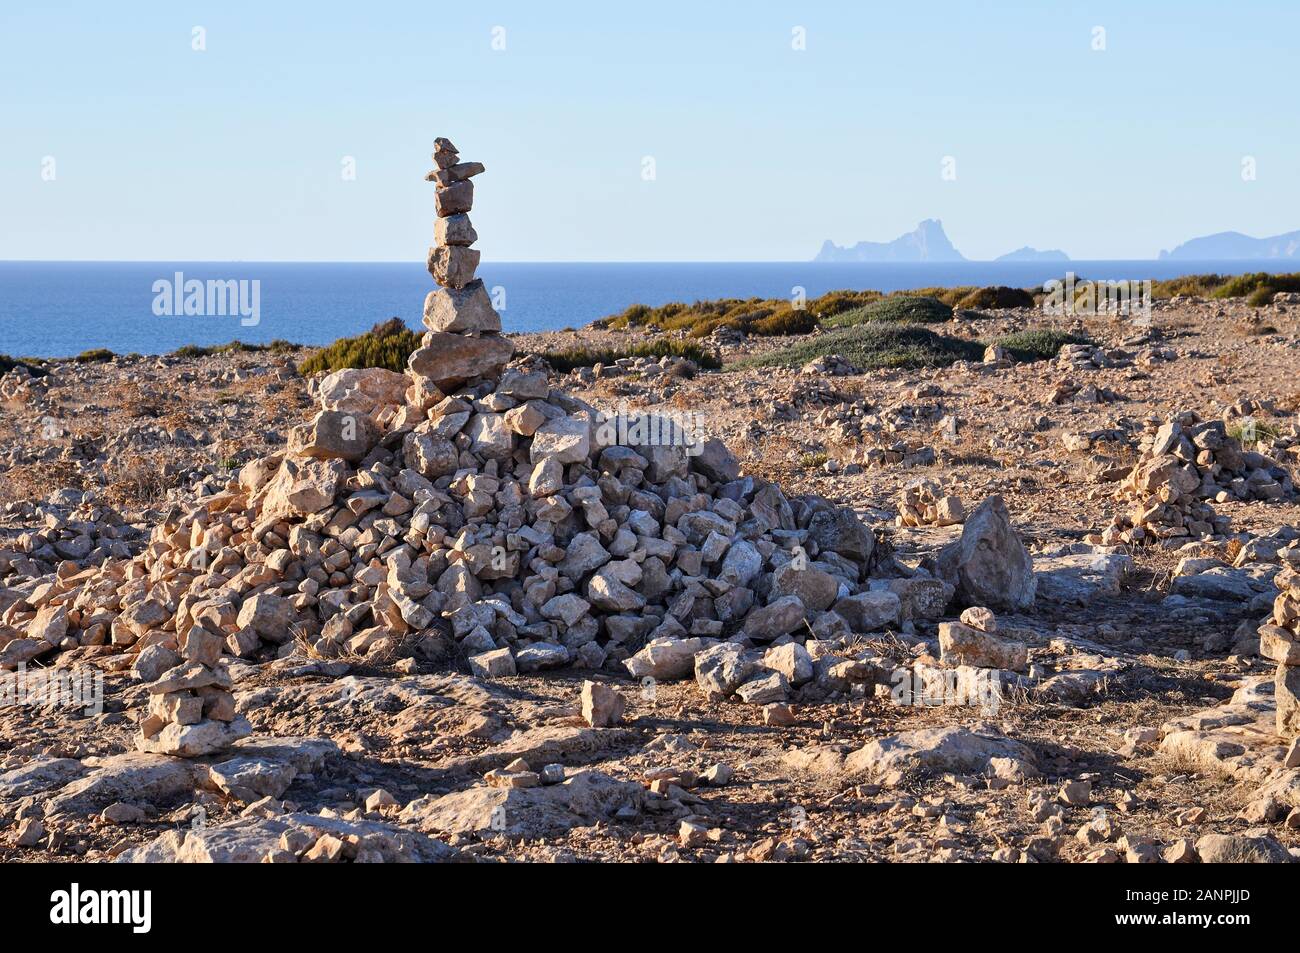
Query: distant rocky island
[[1235, 245], [927, 242], [1034, 254]]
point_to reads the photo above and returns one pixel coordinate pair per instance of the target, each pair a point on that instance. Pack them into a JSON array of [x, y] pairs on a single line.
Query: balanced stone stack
[[1279, 641], [924, 503], [1184, 463], [463, 341], [974, 641], [468, 509], [191, 708]]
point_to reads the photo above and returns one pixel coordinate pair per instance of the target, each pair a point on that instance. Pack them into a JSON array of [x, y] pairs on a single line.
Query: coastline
[[59, 309]]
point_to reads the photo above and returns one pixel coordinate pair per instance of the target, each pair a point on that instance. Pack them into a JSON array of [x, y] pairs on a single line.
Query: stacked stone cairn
[[191, 708], [463, 510], [924, 503], [974, 641], [1279, 641], [463, 340], [1185, 462]]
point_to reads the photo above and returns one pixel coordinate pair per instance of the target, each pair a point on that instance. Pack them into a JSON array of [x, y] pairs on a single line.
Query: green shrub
[[278, 346], [949, 296], [8, 363], [784, 323], [1041, 344], [564, 361], [1257, 287], [1260, 297], [998, 296], [763, 317], [1261, 433], [837, 302], [899, 309], [1199, 286], [1260, 285], [95, 356], [388, 344], [872, 345]]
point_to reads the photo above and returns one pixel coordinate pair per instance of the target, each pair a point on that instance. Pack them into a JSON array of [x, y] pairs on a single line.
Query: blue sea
[[58, 309]]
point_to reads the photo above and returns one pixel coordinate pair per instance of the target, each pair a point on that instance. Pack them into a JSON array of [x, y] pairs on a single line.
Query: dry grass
[[37, 480], [139, 480], [373, 662]]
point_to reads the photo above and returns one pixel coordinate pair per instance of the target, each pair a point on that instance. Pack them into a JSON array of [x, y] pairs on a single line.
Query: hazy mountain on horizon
[[1234, 245], [927, 242], [1034, 254]]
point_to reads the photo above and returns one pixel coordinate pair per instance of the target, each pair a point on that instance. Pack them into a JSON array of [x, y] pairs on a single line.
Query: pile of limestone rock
[[191, 707], [1279, 641], [834, 365], [1088, 357], [1186, 462], [465, 509], [1066, 391], [845, 423], [74, 527], [924, 503], [900, 453], [643, 368], [462, 509], [21, 385]]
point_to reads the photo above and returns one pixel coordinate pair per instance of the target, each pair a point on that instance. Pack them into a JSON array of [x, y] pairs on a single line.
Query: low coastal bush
[[782, 323], [94, 356], [1256, 432], [278, 346], [565, 361], [762, 317], [949, 296], [388, 344], [1257, 287], [999, 296], [1198, 286], [873, 345], [699, 320], [775, 317], [1041, 344], [974, 296], [32, 367], [837, 302], [898, 309], [879, 344]]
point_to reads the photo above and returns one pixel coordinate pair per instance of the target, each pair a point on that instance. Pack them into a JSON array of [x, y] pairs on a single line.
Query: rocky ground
[[1131, 716]]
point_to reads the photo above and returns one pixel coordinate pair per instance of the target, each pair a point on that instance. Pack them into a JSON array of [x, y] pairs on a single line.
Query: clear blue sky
[[761, 151]]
